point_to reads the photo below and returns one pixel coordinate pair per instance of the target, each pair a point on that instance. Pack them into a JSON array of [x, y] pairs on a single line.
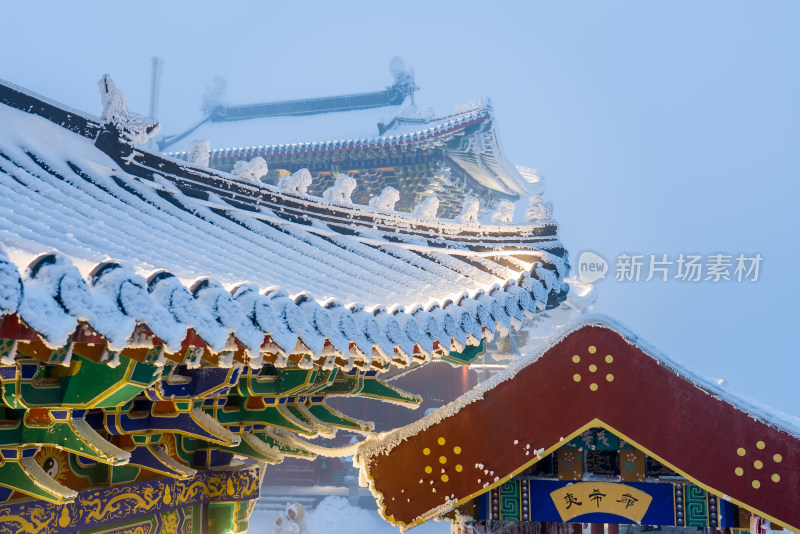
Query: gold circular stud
[[609, 358], [758, 464], [593, 368], [776, 477], [576, 377], [457, 450], [426, 451], [459, 468], [756, 484], [576, 359], [445, 478], [740, 451], [593, 386], [441, 441], [592, 349], [739, 471], [442, 460], [760, 444], [777, 458], [428, 469], [610, 377]]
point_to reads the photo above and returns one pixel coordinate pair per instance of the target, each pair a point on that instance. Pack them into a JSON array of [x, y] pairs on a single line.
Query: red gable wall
[[593, 377]]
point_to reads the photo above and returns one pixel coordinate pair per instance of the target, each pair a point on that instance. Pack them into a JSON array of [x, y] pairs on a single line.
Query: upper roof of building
[[126, 231], [354, 124]]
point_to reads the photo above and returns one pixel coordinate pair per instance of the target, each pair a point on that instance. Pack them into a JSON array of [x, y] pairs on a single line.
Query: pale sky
[[660, 127]]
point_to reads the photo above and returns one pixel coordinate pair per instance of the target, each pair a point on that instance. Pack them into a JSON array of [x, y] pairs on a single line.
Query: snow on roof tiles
[[111, 216]]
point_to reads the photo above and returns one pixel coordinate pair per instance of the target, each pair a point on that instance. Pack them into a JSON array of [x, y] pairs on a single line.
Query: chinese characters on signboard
[[582, 498]]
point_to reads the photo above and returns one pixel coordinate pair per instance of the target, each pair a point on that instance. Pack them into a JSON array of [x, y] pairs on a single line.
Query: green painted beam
[[277, 416], [336, 418], [252, 447], [376, 389], [72, 435], [286, 448], [467, 356], [28, 477], [96, 385]]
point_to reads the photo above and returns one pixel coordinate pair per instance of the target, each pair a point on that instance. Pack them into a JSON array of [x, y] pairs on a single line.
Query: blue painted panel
[[660, 512]]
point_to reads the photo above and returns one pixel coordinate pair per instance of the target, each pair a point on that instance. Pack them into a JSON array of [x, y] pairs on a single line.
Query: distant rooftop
[[215, 111], [384, 138]]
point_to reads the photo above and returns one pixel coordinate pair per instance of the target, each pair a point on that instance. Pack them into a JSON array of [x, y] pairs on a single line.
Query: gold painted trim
[[596, 422]]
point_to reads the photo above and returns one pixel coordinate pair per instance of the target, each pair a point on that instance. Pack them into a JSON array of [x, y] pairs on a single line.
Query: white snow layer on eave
[[383, 443], [88, 225]]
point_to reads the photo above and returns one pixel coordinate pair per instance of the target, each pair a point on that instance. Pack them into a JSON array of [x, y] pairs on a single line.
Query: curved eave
[[148, 213], [437, 133], [345, 336]]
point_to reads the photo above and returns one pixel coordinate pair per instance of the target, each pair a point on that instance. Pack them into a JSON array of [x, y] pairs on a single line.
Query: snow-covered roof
[[132, 237], [478, 153]]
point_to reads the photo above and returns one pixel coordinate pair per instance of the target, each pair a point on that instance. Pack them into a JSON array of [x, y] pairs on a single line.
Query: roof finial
[[386, 200], [198, 153], [132, 128], [342, 190], [469, 210], [250, 171], [296, 183], [504, 213], [538, 210], [403, 79], [428, 208]]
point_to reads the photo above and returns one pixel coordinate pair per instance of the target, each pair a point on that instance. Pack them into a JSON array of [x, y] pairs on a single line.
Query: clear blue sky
[[660, 127]]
